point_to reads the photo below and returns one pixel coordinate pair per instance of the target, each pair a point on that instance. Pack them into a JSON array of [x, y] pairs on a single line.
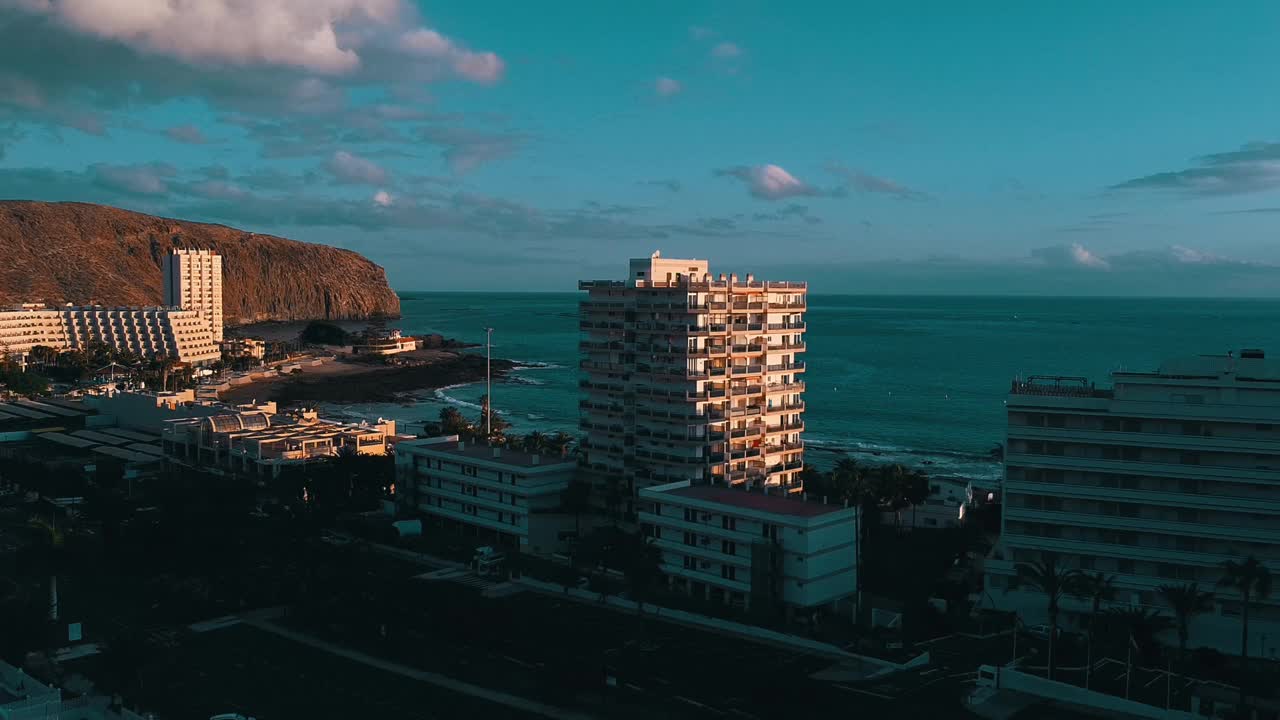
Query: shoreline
[[356, 383]]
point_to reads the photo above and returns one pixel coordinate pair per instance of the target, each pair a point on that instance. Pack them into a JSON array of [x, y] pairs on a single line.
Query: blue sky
[[1088, 147]]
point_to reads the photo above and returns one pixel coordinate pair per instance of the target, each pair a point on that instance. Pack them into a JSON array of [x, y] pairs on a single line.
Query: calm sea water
[[919, 380]]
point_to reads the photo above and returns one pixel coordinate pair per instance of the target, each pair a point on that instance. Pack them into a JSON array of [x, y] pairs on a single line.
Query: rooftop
[[774, 504], [505, 456]]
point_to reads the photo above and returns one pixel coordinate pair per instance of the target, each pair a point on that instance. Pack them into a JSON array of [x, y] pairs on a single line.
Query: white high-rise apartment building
[[1157, 481], [686, 376], [193, 281]]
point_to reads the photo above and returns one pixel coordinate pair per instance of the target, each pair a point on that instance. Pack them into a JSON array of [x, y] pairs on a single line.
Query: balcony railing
[[1058, 386]]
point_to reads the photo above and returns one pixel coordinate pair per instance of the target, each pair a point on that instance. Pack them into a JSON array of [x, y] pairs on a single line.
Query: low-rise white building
[[747, 547], [510, 498], [260, 442]]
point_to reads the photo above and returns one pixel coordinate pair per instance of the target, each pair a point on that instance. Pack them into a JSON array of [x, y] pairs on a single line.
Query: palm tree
[[1095, 587], [915, 491], [1186, 601], [535, 442], [1251, 579], [850, 486], [1054, 580], [558, 444], [452, 422]]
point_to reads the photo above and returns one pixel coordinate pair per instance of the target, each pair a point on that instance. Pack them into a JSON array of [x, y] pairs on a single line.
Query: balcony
[[746, 369], [592, 346], [786, 367], [787, 327], [1231, 533], [744, 453], [794, 306], [1137, 467], [791, 387], [745, 349], [745, 432], [786, 347]]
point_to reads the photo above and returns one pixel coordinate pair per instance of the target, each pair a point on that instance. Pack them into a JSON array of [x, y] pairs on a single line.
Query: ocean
[[919, 380]]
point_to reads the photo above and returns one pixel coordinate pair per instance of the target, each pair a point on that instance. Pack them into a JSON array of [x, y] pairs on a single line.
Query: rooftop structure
[[686, 376], [260, 442], [193, 281], [746, 547], [507, 497], [1158, 480]]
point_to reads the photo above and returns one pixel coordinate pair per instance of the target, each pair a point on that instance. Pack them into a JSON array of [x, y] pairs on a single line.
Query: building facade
[[745, 547], [193, 281], [148, 332], [689, 377], [1156, 481], [513, 498], [28, 325]]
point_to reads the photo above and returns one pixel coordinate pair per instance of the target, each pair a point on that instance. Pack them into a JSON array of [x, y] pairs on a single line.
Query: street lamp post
[[488, 384]]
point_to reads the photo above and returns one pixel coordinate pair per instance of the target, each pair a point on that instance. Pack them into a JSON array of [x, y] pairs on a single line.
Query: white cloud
[[482, 67], [770, 182], [348, 168], [667, 87], [1073, 255], [322, 36], [148, 179], [726, 51], [382, 198]]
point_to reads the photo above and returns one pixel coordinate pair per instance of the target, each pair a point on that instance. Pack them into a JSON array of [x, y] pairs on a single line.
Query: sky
[[914, 147]]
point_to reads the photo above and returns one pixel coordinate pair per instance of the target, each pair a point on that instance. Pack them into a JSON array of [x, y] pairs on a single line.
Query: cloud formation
[[481, 67], [321, 36], [726, 51], [867, 183], [382, 198], [464, 149], [1252, 168], [189, 134], [769, 182], [1074, 255], [286, 58], [666, 87], [148, 179], [348, 168]]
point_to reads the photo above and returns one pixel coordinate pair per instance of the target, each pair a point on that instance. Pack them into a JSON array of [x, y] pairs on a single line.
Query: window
[[728, 572], [690, 539], [690, 515], [1086, 562], [728, 523], [728, 547], [689, 563], [1124, 566], [657, 508], [1190, 458]]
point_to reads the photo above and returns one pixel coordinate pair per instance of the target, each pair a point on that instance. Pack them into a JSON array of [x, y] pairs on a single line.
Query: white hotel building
[[1156, 481], [193, 281], [188, 330], [691, 377], [744, 547]]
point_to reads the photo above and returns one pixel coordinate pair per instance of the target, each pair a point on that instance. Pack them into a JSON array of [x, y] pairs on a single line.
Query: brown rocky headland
[[85, 254]]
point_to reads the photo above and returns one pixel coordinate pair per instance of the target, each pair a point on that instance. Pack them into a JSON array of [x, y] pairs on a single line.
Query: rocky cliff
[[81, 253]]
